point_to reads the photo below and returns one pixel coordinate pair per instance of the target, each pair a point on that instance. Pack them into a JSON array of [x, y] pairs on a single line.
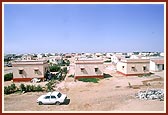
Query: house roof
[[135, 60], [159, 61]]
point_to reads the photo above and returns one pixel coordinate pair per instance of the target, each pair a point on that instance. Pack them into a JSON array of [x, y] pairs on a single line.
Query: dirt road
[[110, 94]]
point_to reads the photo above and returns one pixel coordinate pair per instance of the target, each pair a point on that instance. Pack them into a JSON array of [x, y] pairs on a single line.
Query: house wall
[[127, 70], [28, 71], [152, 66], [89, 70], [156, 67]]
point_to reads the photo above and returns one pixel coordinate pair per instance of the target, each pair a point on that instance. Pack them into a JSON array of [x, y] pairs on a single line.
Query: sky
[[65, 28]]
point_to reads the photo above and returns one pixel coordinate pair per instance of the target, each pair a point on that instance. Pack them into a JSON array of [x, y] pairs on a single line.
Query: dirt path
[[110, 94]]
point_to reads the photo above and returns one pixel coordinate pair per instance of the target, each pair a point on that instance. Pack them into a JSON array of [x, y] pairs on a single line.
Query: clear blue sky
[[83, 28]]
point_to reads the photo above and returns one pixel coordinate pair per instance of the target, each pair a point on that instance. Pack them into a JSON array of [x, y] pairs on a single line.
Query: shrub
[[7, 90], [50, 85], [33, 88], [13, 87], [71, 75], [28, 88], [22, 87], [94, 80], [10, 89], [39, 88], [8, 77]]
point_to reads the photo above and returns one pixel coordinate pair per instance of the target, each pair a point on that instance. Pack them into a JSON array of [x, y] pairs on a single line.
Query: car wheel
[[40, 103], [57, 103]]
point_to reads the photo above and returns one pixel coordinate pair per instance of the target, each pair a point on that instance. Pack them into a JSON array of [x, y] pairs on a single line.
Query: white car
[[52, 98]]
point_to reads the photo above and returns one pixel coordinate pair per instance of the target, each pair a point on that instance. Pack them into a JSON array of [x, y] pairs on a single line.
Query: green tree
[[55, 68], [8, 77]]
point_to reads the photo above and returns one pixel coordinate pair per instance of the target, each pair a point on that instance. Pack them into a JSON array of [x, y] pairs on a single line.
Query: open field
[[110, 94]]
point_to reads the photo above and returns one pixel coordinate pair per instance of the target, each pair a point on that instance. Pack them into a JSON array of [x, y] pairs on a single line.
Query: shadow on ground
[[67, 101], [107, 75]]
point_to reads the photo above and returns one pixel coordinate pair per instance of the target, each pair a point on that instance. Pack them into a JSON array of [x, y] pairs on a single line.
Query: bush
[[13, 87], [50, 85], [22, 87], [71, 76], [8, 77], [94, 80], [39, 88], [28, 88], [33, 88], [10, 89], [7, 90]]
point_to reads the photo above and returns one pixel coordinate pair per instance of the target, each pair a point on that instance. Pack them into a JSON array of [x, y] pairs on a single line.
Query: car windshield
[[59, 95]]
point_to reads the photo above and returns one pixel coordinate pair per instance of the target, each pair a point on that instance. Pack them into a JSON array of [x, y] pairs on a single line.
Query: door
[[46, 100], [53, 99]]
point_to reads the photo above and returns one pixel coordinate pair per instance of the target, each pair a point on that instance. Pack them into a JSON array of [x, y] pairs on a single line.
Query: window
[[36, 72], [82, 69], [20, 71], [53, 97], [133, 69], [96, 69], [47, 97], [59, 95], [123, 67], [144, 68]]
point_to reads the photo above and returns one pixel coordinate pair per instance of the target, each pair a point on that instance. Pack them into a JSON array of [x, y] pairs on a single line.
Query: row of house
[[128, 67], [85, 67]]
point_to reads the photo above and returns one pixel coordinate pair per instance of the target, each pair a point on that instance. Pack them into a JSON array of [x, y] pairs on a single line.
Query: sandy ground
[[110, 94]]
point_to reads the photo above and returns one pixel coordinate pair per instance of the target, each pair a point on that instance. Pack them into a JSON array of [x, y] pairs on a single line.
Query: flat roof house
[[157, 64], [130, 67], [89, 68], [25, 70]]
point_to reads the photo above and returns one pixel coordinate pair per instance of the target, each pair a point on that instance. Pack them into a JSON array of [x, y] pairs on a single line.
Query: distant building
[[27, 57], [25, 70], [89, 68], [39, 56], [55, 59], [162, 54], [116, 58], [129, 67], [157, 64]]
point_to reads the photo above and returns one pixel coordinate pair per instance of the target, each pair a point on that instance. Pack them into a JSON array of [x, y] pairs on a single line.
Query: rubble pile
[[152, 94]]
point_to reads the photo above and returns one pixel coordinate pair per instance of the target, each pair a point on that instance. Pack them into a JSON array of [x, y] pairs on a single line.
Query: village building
[[25, 70], [55, 59], [129, 67], [27, 57], [157, 64], [89, 68], [116, 58]]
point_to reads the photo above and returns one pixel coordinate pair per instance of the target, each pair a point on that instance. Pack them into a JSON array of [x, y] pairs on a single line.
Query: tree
[[55, 68]]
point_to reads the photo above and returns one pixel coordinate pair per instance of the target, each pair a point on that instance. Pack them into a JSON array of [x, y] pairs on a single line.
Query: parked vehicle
[[35, 80], [52, 98]]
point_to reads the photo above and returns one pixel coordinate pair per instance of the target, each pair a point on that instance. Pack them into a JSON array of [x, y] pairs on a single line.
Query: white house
[[157, 64], [129, 67], [116, 58]]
